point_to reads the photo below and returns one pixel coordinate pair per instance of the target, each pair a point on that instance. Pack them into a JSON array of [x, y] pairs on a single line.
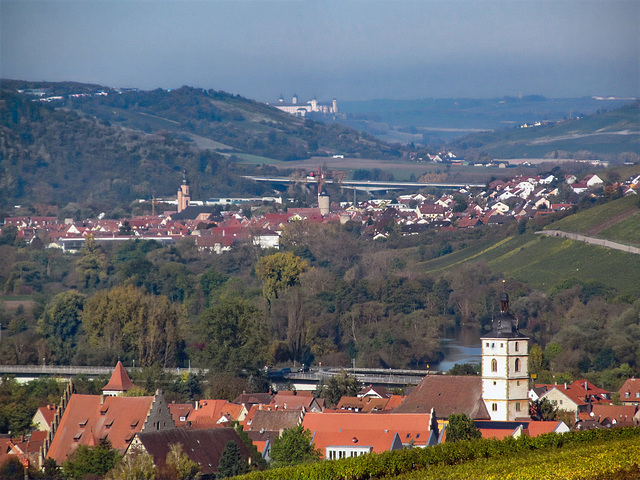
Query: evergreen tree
[[231, 461]]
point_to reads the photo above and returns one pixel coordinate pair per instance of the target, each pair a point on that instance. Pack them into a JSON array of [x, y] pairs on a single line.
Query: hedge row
[[404, 461]]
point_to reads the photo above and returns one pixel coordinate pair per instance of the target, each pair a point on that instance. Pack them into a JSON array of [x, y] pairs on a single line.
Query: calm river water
[[462, 346]]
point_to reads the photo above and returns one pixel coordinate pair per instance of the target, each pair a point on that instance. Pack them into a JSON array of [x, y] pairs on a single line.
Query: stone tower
[[184, 197], [505, 367]]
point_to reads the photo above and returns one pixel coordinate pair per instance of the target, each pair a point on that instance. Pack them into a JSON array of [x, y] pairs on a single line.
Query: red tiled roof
[[85, 417], [409, 426], [119, 380], [209, 413], [375, 441], [181, 410]]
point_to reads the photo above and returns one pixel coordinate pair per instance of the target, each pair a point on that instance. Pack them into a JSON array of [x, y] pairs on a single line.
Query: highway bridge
[[366, 185], [301, 380]]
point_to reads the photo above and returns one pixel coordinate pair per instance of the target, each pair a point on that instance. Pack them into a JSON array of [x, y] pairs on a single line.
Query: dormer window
[[83, 423], [134, 423], [109, 423], [104, 409], [77, 436]]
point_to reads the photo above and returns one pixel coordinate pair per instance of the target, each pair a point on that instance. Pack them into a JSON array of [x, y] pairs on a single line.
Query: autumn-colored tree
[[279, 272], [128, 320]]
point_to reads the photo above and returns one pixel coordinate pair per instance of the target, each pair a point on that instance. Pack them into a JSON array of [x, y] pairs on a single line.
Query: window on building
[[517, 383], [516, 346], [517, 406], [517, 364], [494, 407], [626, 394], [494, 365], [637, 394]]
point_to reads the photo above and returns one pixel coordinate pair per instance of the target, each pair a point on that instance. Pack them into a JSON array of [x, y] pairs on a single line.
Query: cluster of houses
[[374, 421], [505, 201]]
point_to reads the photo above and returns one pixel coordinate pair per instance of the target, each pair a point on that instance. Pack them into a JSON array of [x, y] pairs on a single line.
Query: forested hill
[[92, 143], [56, 156], [231, 123]]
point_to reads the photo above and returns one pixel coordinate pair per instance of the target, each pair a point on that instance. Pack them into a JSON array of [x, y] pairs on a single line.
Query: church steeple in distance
[[184, 196]]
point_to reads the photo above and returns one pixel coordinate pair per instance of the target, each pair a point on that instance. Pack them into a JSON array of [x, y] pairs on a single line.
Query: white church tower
[[505, 367]]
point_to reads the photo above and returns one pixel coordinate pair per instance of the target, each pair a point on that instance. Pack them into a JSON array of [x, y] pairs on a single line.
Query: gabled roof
[[212, 412], [409, 426], [119, 381], [447, 394], [373, 441], [204, 447], [87, 417], [362, 404], [249, 399], [292, 402], [275, 420], [181, 411]]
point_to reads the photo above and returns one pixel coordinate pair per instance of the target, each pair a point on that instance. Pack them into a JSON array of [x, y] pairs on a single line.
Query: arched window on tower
[[516, 346], [517, 364], [494, 365]]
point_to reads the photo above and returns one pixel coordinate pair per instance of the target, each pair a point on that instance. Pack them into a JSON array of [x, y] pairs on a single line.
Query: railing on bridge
[[365, 375]]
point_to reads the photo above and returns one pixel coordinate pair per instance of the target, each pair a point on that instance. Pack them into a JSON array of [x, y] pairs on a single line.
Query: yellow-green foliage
[[585, 461], [605, 450]]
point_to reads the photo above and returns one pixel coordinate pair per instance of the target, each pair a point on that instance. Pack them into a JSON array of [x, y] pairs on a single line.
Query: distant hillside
[[614, 133], [56, 156], [69, 142], [433, 121], [218, 120]]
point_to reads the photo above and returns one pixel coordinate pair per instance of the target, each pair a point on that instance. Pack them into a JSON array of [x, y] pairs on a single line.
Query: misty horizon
[[352, 51]]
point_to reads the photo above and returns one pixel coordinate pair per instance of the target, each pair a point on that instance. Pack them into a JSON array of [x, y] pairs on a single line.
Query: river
[[460, 346]]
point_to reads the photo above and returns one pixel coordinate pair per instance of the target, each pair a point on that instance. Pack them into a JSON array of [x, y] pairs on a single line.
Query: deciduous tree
[[294, 447]]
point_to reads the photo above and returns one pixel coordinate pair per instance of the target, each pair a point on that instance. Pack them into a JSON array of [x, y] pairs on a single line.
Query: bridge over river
[[365, 185], [301, 380]]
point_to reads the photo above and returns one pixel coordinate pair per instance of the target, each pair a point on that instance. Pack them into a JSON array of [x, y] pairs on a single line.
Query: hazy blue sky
[[349, 49]]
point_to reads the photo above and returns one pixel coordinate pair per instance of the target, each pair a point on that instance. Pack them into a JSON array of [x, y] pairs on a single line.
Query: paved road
[[592, 240]]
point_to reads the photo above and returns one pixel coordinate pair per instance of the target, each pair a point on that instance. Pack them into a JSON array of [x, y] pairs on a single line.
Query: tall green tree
[[92, 265], [235, 335], [279, 272], [461, 428], [60, 324], [294, 447], [231, 461]]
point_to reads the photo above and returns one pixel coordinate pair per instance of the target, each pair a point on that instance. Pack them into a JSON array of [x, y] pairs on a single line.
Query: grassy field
[[588, 461]]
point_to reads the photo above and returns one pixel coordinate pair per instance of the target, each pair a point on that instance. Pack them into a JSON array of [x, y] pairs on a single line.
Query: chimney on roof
[[565, 385], [102, 399]]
